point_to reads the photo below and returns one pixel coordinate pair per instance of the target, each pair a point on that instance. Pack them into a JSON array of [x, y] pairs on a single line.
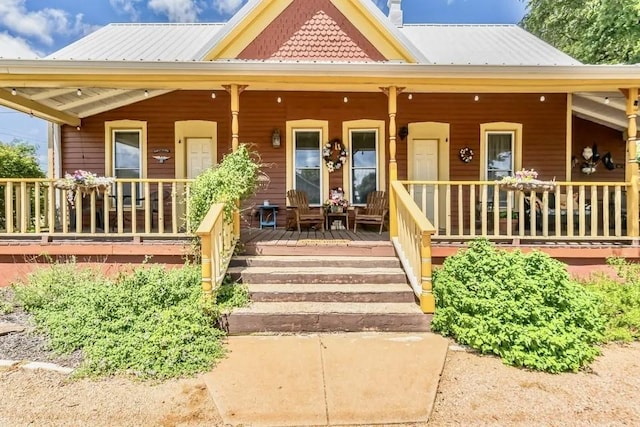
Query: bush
[[521, 307], [234, 179], [152, 323], [620, 302]]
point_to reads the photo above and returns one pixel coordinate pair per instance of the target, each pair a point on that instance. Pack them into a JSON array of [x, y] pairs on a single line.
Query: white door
[[198, 156], [425, 168]]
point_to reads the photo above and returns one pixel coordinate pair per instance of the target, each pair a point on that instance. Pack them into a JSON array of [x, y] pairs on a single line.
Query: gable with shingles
[[312, 30]]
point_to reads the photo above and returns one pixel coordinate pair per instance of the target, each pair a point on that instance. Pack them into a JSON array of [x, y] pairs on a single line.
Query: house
[[446, 110]]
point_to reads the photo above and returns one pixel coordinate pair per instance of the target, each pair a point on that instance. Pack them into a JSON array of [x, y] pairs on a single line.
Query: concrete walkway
[[337, 379]]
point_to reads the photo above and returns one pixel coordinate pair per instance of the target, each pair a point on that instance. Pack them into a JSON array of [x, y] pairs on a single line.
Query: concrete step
[[297, 248], [320, 275], [311, 292], [314, 261], [294, 317]]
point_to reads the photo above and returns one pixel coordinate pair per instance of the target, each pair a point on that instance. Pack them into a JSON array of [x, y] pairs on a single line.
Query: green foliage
[[152, 323], [6, 306], [620, 300], [19, 161], [521, 307], [592, 31], [232, 180]]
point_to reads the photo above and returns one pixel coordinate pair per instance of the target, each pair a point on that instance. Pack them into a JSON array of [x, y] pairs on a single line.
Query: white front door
[[198, 156], [425, 168]]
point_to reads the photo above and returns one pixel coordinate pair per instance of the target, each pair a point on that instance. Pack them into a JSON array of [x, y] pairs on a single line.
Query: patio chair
[[303, 214], [374, 212]]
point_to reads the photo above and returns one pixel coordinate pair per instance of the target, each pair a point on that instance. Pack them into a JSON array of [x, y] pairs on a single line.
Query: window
[[127, 160], [364, 164], [307, 164], [500, 156]]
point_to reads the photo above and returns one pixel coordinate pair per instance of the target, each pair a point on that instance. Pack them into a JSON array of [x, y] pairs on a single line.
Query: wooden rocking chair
[[299, 202], [375, 211]]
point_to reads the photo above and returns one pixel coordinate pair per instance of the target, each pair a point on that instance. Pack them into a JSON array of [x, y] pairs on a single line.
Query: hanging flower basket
[[526, 180], [84, 182]]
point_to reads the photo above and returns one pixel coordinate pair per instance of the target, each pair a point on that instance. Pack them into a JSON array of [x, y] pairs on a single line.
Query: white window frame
[[486, 148], [139, 189], [352, 164], [321, 166]]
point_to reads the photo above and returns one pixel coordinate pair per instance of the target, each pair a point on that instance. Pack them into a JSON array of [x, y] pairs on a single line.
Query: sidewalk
[[337, 379]]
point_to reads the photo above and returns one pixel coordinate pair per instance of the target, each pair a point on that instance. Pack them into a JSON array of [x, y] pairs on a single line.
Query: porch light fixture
[[14, 92], [476, 98], [213, 95], [345, 99], [79, 92], [279, 100], [606, 100], [403, 133], [146, 93], [543, 98], [275, 138], [410, 96]]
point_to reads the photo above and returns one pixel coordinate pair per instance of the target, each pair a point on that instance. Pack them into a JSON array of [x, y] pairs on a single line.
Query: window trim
[[501, 128], [124, 125], [320, 166], [513, 148], [351, 167]]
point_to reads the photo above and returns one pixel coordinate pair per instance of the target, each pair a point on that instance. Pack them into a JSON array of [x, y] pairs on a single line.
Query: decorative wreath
[[466, 154], [334, 154]]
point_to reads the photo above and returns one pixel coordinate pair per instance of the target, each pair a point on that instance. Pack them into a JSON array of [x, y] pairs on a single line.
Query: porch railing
[[218, 240], [133, 207], [412, 241], [573, 211]]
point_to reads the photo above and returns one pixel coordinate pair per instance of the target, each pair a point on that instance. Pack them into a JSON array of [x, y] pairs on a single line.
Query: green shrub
[[521, 307], [620, 300], [6, 306], [232, 180], [152, 323]]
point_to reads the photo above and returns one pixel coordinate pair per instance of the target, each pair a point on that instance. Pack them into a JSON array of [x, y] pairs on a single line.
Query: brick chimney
[[395, 12]]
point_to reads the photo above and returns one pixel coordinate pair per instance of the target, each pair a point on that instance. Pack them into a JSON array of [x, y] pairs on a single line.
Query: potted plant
[[503, 222], [336, 201]]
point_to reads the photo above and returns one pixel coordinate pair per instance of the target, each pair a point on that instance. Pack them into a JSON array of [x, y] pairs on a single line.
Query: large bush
[[152, 323], [620, 300], [521, 307], [19, 161], [234, 179]]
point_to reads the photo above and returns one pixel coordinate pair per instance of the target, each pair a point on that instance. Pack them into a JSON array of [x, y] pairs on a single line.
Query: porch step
[[292, 317], [312, 292], [319, 275], [294, 294], [314, 261]]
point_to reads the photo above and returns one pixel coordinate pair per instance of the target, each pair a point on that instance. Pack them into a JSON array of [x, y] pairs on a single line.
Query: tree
[[592, 31], [19, 160]]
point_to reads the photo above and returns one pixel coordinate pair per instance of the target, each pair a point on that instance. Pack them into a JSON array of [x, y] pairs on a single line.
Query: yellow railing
[[412, 241], [131, 207], [572, 211], [218, 239]]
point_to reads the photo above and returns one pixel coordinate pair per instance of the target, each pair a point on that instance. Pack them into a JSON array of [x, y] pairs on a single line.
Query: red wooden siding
[[585, 134]]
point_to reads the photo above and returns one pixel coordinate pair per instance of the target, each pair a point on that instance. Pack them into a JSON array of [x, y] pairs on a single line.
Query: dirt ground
[[474, 391]]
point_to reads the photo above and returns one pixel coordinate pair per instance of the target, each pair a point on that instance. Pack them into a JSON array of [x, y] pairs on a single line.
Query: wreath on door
[[334, 154]]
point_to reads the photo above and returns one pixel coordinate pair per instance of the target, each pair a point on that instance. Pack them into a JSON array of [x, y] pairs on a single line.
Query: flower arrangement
[[334, 154], [336, 199], [526, 180], [83, 182], [466, 154]]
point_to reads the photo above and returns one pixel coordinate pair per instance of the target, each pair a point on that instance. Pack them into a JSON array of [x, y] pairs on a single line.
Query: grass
[[152, 323]]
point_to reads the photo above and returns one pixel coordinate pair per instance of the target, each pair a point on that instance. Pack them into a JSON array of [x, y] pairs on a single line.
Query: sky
[[36, 28]]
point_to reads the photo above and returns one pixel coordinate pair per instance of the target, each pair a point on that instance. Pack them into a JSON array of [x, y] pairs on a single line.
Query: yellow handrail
[[412, 241], [217, 240]]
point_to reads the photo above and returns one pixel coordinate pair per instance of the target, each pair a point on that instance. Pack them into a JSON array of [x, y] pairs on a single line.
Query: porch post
[[631, 170], [235, 90], [392, 94]]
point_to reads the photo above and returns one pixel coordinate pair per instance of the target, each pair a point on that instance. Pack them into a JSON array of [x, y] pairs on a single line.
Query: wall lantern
[[275, 138], [403, 133]]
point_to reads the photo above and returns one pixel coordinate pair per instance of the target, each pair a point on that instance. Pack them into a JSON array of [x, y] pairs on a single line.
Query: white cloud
[[16, 47], [227, 6], [41, 24], [176, 10], [127, 7]]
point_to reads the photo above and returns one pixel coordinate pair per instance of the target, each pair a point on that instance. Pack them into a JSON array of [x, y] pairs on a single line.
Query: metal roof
[[142, 42], [483, 45]]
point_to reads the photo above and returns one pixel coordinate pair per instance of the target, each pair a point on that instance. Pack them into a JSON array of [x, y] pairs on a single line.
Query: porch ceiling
[[605, 108]]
